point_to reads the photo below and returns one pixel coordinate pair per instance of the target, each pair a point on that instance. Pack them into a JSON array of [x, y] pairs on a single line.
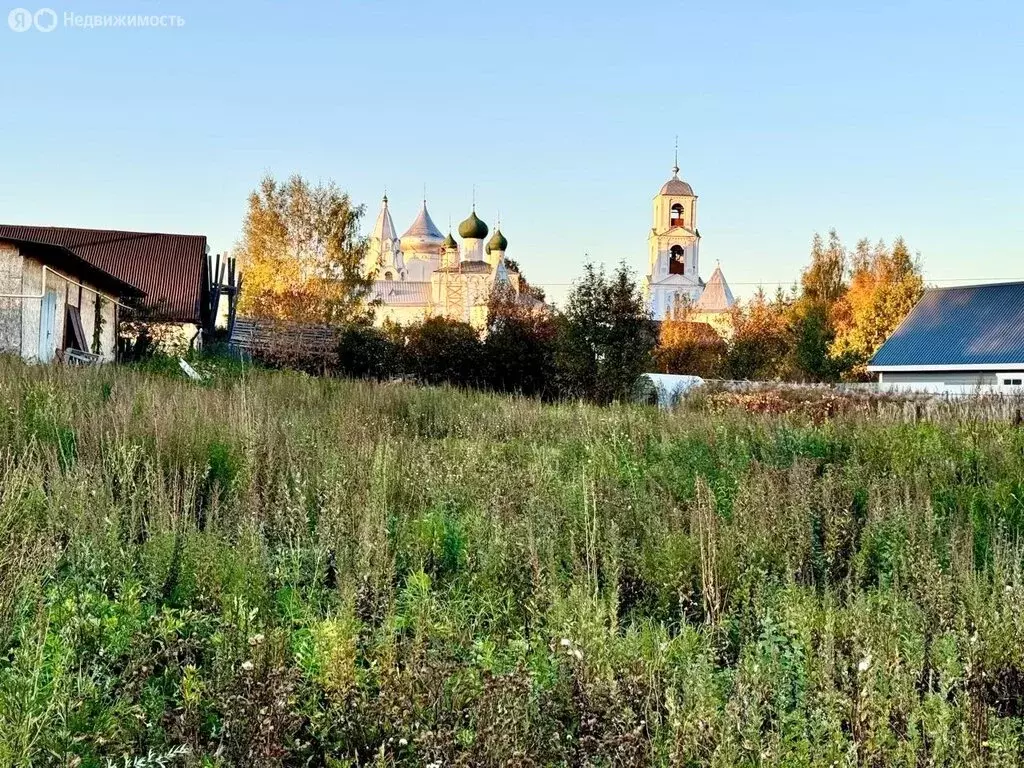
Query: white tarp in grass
[[665, 389]]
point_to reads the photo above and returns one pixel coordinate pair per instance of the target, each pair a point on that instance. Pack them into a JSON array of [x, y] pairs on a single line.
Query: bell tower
[[673, 245], [674, 241]]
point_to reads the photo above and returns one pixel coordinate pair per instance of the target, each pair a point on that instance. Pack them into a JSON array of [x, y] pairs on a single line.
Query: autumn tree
[[884, 286], [761, 341], [824, 279], [811, 314], [847, 304], [688, 347], [302, 254]]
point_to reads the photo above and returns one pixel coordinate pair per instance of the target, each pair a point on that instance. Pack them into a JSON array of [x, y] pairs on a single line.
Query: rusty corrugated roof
[[170, 269], [75, 266]]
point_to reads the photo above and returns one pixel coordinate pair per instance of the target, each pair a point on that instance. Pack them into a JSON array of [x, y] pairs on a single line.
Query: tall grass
[[282, 570]]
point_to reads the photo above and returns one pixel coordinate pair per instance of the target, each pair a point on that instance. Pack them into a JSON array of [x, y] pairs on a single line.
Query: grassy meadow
[[275, 569]]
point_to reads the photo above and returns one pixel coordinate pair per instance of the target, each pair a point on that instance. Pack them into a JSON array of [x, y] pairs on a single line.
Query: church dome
[[497, 242], [422, 236], [676, 186], [450, 244], [473, 228]]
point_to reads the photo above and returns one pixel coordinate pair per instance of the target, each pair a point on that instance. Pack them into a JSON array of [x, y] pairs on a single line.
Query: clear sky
[[877, 118]]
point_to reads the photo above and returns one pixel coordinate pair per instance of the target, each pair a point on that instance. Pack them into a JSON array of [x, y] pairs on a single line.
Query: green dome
[[473, 228], [450, 244], [497, 242]]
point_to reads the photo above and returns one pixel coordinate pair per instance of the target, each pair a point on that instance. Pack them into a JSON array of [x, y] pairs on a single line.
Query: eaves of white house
[[939, 368]]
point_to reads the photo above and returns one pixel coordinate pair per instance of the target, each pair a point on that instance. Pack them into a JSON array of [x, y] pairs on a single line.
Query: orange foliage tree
[[762, 341], [689, 347], [884, 286]]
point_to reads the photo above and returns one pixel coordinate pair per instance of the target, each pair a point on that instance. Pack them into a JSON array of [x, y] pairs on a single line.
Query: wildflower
[[247, 666], [566, 642], [403, 741], [865, 664], [256, 639], [578, 654]]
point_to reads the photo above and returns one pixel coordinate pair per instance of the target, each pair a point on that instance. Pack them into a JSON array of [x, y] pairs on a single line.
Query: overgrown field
[[280, 570]]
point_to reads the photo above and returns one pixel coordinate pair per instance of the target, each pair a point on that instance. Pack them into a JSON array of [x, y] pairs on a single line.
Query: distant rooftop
[[399, 293], [716, 296], [423, 226], [469, 268]]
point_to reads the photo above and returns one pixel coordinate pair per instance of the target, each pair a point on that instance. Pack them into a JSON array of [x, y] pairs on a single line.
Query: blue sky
[[878, 118]]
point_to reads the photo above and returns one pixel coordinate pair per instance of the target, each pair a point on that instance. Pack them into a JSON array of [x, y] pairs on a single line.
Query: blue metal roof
[[971, 325]]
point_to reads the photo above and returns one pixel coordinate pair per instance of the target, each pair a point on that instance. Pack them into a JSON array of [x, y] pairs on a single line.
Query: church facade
[[673, 285], [425, 274]]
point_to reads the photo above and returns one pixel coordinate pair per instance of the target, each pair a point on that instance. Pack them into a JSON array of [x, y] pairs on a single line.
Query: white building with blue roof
[[958, 340]]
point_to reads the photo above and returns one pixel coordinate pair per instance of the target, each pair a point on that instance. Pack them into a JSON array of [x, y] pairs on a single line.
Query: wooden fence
[[282, 342]]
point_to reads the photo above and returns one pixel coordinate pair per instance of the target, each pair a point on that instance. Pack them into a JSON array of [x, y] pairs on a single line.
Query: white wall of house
[[953, 382], [31, 309], [10, 309], [20, 317]]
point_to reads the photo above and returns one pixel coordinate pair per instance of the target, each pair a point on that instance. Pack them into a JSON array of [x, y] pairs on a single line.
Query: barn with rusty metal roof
[[172, 270], [958, 340]]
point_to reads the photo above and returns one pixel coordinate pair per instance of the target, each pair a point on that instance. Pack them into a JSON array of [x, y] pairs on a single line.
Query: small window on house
[[388, 276], [1016, 382], [677, 260], [676, 216]]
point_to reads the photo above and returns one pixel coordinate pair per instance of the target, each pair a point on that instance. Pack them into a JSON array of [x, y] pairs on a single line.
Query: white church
[[673, 285], [424, 273]]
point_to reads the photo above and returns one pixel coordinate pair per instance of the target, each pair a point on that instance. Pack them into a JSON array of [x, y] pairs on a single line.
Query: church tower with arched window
[[673, 269]]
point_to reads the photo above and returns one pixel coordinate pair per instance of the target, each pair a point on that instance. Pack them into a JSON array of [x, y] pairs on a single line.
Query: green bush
[[443, 351], [365, 352]]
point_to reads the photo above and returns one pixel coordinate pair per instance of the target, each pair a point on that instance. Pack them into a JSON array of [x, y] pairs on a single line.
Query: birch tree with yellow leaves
[[302, 254], [885, 283]]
